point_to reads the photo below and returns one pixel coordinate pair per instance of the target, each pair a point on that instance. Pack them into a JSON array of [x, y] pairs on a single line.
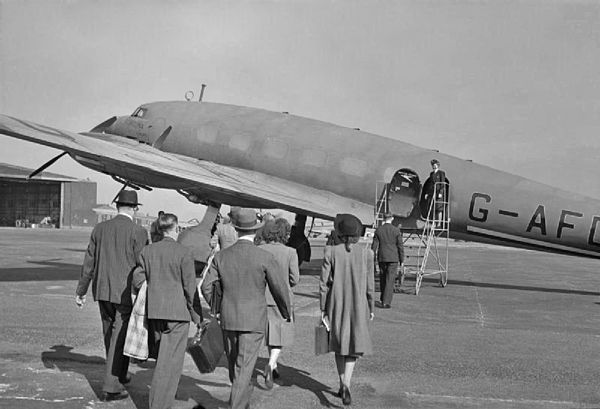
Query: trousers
[[387, 277], [242, 351], [169, 363], [115, 318]]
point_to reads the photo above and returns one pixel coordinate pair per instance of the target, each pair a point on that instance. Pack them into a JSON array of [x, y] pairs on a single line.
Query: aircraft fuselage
[[485, 204]]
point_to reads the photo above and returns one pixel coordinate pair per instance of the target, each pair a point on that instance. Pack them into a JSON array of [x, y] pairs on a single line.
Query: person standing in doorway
[[436, 195], [111, 256]]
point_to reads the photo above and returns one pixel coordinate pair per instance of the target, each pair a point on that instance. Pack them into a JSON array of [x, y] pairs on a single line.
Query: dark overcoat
[[346, 292]]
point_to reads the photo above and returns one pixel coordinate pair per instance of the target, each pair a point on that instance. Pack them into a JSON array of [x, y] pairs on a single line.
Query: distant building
[[105, 212], [56, 200]]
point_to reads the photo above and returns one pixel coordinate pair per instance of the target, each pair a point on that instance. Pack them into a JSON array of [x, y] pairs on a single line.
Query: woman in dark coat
[[346, 290]]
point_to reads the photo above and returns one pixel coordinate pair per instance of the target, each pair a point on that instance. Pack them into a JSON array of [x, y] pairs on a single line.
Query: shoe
[[379, 304], [126, 380], [110, 396], [386, 306], [276, 374], [268, 377], [346, 398]]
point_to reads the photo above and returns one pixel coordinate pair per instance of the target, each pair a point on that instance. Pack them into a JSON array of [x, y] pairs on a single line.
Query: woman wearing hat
[[346, 290], [274, 235]]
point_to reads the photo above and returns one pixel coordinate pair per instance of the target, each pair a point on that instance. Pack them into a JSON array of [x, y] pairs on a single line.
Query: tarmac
[[512, 329]]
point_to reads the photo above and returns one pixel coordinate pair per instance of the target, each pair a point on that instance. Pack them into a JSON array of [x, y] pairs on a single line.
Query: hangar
[[48, 199]]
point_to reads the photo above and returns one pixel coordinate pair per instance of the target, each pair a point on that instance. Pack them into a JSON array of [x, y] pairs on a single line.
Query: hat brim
[[257, 226], [127, 204]]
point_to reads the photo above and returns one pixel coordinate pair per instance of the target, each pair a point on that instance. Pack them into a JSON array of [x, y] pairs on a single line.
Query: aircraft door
[[403, 193]]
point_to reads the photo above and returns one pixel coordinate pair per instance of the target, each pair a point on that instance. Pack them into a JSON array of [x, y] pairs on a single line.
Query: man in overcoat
[[389, 247], [108, 265], [243, 271], [168, 269]]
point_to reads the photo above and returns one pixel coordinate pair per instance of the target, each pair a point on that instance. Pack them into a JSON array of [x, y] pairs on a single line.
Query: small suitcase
[[206, 347], [321, 340]]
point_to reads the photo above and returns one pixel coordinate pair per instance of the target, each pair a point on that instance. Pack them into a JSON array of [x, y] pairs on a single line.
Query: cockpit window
[[139, 113]]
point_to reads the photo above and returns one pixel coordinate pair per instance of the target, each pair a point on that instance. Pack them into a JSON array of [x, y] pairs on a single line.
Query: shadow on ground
[[49, 271], [291, 376], [62, 358]]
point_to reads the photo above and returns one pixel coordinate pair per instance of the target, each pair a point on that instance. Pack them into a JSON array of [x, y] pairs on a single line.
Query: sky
[[510, 84]]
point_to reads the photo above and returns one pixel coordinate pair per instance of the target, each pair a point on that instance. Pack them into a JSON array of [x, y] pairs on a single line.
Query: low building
[[105, 212], [46, 200]]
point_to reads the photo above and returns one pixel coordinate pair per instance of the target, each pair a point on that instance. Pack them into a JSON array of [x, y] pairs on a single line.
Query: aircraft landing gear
[[443, 278]]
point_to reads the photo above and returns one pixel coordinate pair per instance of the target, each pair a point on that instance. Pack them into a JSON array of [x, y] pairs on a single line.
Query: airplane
[[215, 154]]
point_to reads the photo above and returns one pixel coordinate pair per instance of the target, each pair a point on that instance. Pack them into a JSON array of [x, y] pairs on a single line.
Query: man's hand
[[80, 301]]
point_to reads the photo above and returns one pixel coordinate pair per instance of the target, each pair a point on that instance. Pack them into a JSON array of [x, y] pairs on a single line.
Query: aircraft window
[[240, 142], [139, 113], [353, 166], [275, 148], [313, 157]]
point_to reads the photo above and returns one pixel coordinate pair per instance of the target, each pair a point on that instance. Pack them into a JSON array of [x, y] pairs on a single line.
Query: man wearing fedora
[[389, 247], [111, 256], [243, 271]]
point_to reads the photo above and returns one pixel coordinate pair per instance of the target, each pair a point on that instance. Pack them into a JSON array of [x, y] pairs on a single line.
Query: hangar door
[[30, 200]]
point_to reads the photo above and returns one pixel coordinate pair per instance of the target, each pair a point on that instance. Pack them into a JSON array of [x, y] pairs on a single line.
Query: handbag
[[321, 340]]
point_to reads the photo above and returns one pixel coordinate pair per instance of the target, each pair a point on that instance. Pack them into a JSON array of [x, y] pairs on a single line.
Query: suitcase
[[321, 340], [206, 347]]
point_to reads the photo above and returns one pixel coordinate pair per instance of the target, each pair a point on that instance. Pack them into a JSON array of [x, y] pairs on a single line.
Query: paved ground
[[513, 329]]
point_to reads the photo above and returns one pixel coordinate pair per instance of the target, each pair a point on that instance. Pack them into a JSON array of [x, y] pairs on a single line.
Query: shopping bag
[[206, 347], [321, 340]]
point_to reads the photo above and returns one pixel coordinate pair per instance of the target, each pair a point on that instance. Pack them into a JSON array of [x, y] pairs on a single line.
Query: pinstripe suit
[[109, 261], [244, 271]]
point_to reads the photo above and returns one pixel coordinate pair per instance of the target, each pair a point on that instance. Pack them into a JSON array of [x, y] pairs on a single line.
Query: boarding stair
[[425, 246]]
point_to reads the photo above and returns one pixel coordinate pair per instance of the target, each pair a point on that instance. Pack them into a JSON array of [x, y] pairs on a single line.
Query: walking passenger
[[243, 271], [389, 247], [108, 264], [346, 292], [168, 269], [224, 235], [275, 234], [155, 234]]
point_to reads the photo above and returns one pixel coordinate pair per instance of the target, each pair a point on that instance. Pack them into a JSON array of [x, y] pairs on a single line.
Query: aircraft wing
[[145, 165]]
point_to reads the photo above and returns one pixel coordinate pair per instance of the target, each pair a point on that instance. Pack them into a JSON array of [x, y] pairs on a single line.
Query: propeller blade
[[161, 139], [45, 165], [119, 192], [101, 127]]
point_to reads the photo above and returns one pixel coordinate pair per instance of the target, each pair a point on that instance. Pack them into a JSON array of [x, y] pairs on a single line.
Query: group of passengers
[[251, 276]]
